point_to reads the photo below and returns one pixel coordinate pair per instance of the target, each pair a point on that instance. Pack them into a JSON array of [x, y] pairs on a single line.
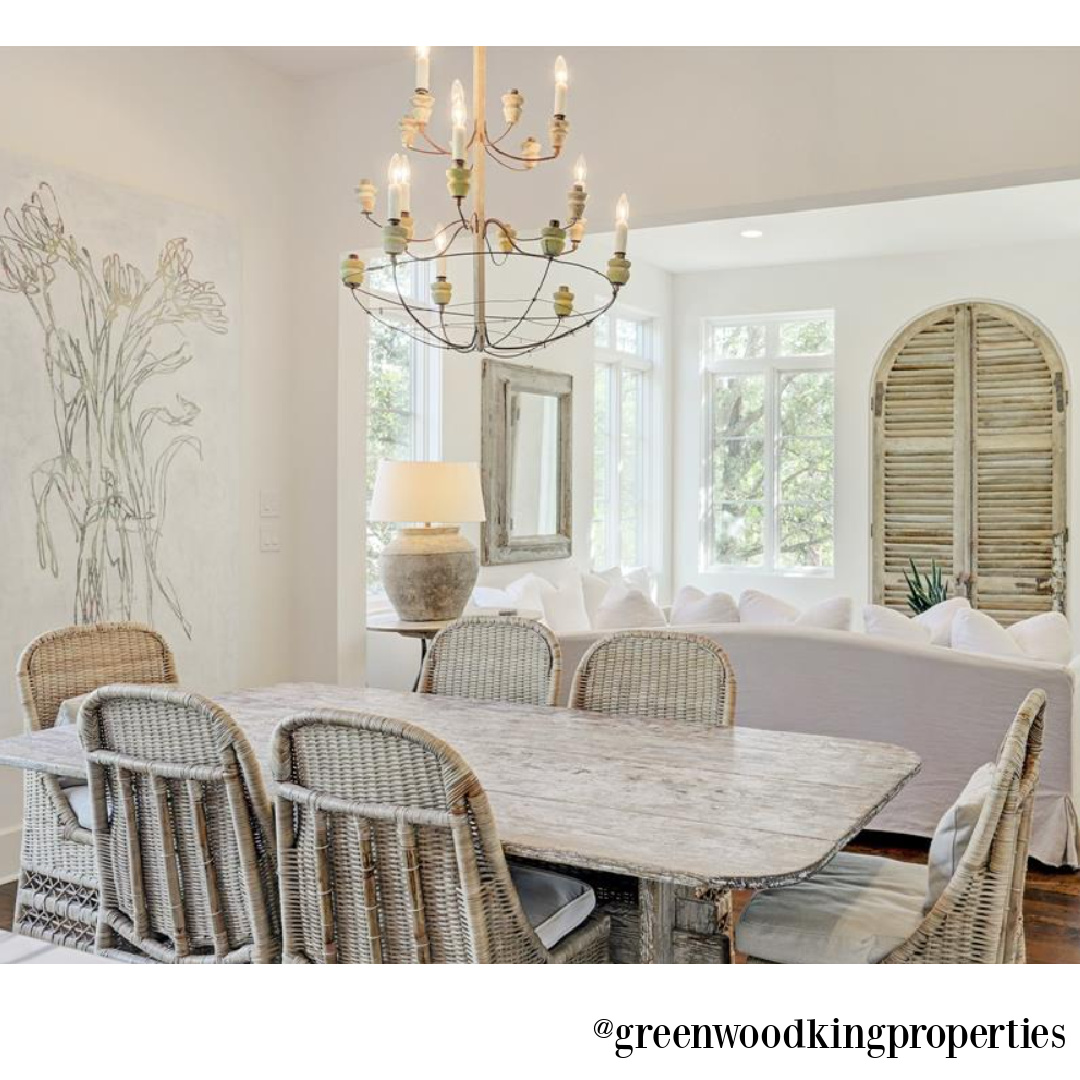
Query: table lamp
[[428, 572]]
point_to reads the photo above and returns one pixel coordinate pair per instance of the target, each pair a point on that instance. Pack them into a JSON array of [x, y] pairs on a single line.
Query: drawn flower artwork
[[110, 334]]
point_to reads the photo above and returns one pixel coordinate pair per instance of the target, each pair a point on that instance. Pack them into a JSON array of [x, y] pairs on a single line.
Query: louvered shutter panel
[[915, 434], [1018, 491]]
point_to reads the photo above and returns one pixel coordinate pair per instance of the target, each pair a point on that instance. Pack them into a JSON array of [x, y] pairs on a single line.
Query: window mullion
[[615, 469], [771, 485]]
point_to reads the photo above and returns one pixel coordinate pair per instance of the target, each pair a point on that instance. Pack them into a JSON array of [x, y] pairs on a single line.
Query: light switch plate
[[270, 503], [269, 539]]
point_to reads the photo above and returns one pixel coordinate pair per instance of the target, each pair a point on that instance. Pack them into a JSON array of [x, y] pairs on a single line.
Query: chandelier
[[550, 307]]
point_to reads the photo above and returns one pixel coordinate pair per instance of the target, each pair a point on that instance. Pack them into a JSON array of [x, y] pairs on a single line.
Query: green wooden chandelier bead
[[352, 271], [441, 291], [457, 180], [365, 193], [553, 239], [512, 103], [507, 236], [618, 270], [395, 239], [564, 302]]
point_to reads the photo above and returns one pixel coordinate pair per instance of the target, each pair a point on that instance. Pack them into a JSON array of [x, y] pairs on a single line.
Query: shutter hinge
[[878, 401], [1061, 395]]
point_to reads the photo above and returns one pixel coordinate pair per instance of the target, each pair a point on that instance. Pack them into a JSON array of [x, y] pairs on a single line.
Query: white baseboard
[[10, 843]]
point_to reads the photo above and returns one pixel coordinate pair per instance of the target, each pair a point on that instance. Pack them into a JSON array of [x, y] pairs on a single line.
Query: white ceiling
[[1036, 212], [310, 61]]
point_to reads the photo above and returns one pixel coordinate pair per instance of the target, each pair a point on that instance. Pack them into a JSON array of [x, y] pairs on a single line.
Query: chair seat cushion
[[79, 797], [855, 910], [554, 903]]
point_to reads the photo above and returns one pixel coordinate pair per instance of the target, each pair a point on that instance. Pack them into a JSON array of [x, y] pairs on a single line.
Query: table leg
[[656, 906], [420, 672]]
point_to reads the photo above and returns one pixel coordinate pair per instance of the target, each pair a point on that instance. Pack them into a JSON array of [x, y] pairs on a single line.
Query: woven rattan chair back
[[978, 919], [495, 659], [663, 674], [73, 661], [183, 830], [387, 849]]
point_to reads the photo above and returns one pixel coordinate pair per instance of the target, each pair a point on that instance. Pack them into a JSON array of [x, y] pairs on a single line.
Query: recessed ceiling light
[[751, 234]]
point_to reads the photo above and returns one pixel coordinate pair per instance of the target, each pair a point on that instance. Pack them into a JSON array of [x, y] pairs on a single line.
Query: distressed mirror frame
[[498, 546]]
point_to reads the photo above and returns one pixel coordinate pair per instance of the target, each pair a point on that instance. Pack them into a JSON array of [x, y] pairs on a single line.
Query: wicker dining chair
[[661, 674], [57, 891], [978, 916], [388, 853], [183, 830], [494, 658]]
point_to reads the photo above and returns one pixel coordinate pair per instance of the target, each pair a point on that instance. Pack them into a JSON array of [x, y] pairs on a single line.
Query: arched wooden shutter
[[969, 461], [1018, 444]]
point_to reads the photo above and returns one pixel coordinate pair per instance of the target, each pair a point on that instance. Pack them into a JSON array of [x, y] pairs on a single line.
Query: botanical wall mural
[[109, 345], [119, 415]]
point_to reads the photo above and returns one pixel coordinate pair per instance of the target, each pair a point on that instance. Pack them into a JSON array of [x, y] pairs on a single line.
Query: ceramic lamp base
[[429, 574]]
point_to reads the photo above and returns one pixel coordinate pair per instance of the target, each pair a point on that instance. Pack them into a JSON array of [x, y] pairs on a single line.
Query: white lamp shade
[[447, 491]]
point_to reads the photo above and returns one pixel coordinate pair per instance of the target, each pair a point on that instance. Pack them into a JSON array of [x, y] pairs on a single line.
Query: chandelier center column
[[478, 192]]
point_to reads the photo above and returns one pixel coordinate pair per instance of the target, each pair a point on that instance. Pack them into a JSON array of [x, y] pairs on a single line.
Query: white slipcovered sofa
[[951, 708]]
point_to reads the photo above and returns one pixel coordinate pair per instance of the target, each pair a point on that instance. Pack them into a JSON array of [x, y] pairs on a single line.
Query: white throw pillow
[[595, 589], [954, 832], [527, 592], [939, 619], [694, 607], [831, 614], [976, 632], [564, 609], [638, 577], [1044, 637], [763, 609], [485, 597], [885, 622], [628, 609]]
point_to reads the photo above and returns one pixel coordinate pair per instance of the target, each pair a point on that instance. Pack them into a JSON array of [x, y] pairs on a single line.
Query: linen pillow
[[881, 621], [954, 832], [692, 606], [594, 588], [68, 713], [564, 609], [527, 592], [485, 597], [763, 609], [638, 577], [831, 614], [628, 609], [939, 619], [1044, 637], [976, 632]]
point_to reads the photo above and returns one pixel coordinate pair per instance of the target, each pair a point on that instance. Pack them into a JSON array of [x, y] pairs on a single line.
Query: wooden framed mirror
[[525, 463]]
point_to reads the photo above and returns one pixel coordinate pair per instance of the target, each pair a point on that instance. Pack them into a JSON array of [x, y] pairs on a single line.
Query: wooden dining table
[[672, 804]]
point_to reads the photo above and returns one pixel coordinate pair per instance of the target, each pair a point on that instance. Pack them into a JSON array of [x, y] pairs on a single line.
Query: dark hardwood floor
[[1051, 902]]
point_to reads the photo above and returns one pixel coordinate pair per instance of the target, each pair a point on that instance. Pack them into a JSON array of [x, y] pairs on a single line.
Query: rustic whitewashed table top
[[661, 800]]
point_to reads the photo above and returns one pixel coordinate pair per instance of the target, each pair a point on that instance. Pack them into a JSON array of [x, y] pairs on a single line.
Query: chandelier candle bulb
[[404, 179], [442, 241], [512, 102], [562, 80], [458, 118], [352, 270], [393, 190], [564, 302], [365, 192], [553, 239], [423, 66], [622, 224]]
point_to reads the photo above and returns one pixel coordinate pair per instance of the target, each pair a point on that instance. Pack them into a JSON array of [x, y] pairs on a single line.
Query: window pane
[[738, 405], [738, 534], [391, 423], [382, 277], [631, 468], [738, 342], [805, 470], [602, 332], [602, 465], [628, 334], [811, 337], [805, 536], [806, 403], [738, 469]]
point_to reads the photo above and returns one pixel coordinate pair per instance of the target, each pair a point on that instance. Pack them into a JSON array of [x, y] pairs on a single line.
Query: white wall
[[872, 299], [210, 129]]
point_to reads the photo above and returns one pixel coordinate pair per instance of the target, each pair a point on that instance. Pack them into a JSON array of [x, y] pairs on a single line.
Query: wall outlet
[[270, 503], [269, 539]]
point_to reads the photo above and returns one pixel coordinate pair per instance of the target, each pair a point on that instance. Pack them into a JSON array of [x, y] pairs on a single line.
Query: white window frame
[[770, 366], [425, 403], [617, 363]]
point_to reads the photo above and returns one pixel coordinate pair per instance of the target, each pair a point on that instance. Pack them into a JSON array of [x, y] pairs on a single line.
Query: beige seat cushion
[[855, 910]]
